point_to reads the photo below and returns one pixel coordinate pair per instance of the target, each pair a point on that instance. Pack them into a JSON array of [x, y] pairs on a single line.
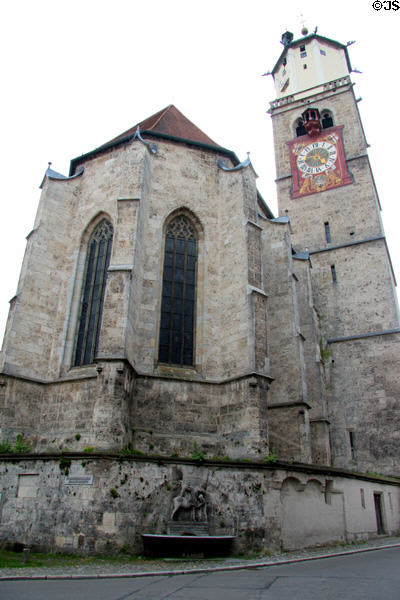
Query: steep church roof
[[170, 124], [169, 121]]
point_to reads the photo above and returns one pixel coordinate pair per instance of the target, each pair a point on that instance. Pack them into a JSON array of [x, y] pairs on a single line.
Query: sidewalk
[[104, 568]]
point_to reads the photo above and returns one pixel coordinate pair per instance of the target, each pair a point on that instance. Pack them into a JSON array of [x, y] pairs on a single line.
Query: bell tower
[[326, 188]]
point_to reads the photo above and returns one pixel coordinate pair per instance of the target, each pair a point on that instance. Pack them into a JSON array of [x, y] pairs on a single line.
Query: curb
[[255, 565]]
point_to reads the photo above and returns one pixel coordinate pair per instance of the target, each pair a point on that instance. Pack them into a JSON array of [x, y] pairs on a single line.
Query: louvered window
[[300, 129], [327, 120]]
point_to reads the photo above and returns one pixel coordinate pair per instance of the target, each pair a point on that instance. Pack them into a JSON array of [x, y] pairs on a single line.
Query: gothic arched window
[[178, 293], [94, 283]]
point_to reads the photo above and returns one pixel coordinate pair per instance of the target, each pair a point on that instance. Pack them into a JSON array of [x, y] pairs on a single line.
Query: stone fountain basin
[[187, 545]]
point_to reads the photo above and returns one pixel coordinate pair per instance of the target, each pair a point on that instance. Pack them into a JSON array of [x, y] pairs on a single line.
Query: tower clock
[[326, 189], [317, 159]]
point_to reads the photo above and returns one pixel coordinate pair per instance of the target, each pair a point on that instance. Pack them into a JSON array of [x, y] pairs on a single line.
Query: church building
[[169, 333]]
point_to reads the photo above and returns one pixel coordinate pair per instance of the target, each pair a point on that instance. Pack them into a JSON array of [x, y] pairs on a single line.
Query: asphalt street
[[371, 575]]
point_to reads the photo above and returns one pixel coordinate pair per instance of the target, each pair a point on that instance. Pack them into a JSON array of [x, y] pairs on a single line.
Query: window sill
[[176, 371]]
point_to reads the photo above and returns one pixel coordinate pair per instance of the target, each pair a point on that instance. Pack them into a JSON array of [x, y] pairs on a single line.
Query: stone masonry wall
[[138, 193], [92, 410], [89, 504], [292, 343], [41, 341], [370, 408], [310, 329], [284, 350], [358, 301], [186, 179], [228, 418], [352, 289], [111, 406]]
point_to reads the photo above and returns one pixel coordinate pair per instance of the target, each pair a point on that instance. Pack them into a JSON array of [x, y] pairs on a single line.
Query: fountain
[[188, 531]]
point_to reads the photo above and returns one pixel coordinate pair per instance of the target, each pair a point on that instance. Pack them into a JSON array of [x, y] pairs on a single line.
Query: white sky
[[75, 74]]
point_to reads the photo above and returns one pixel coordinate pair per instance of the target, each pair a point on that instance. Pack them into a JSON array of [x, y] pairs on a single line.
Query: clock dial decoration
[[318, 163], [317, 157]]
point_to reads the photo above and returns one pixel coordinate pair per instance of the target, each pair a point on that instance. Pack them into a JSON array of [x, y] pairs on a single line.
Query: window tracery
[[97, 262], [176, 344]]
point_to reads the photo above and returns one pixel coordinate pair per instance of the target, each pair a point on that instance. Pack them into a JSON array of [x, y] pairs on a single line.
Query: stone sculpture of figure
[[183, 501], [193, 500], [199, 506]]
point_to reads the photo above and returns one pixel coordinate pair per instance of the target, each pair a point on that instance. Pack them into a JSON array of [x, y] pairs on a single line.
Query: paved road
[[367, 576]]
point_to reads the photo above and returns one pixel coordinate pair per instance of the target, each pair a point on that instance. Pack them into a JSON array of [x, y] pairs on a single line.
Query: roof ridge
[[169, 121], [162, 113]]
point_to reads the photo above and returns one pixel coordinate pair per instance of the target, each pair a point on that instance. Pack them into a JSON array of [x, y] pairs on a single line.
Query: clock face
[[317, 158], [318, 163]]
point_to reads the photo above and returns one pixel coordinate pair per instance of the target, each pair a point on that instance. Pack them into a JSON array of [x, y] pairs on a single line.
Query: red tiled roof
[[169, 121]]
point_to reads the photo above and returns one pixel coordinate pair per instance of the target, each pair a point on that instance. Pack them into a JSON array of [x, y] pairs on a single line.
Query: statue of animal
[[185, 500]]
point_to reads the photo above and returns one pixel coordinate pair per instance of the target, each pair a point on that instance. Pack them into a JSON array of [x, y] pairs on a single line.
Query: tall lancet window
[[94, 283], [178, 293]]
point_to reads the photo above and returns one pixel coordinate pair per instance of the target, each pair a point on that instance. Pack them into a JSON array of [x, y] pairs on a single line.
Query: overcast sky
[[76, 74]]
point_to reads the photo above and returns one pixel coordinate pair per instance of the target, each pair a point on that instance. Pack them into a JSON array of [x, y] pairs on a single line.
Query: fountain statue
[[188, 528]]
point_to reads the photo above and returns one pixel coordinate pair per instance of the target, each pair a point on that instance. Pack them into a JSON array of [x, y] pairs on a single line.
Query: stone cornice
[[334, 87], [240, 464], [347, 244], [290, 404], [360, 336]]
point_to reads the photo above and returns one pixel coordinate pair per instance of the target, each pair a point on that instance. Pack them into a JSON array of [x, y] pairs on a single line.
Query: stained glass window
[[94, 283], [178, 294]]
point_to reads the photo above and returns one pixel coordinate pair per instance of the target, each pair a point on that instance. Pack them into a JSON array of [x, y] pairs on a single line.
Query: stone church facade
[[168, 328]]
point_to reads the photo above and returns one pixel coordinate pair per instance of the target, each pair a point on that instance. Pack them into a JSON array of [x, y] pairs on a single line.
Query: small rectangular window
[[362, 497], [328, 491], [322, 52], [327, 232], [284, 62], [333, 272], [302, 48], [352, 444], [303, 54]]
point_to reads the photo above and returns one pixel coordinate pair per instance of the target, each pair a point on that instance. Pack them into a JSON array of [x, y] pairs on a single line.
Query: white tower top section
[[307, 63]]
